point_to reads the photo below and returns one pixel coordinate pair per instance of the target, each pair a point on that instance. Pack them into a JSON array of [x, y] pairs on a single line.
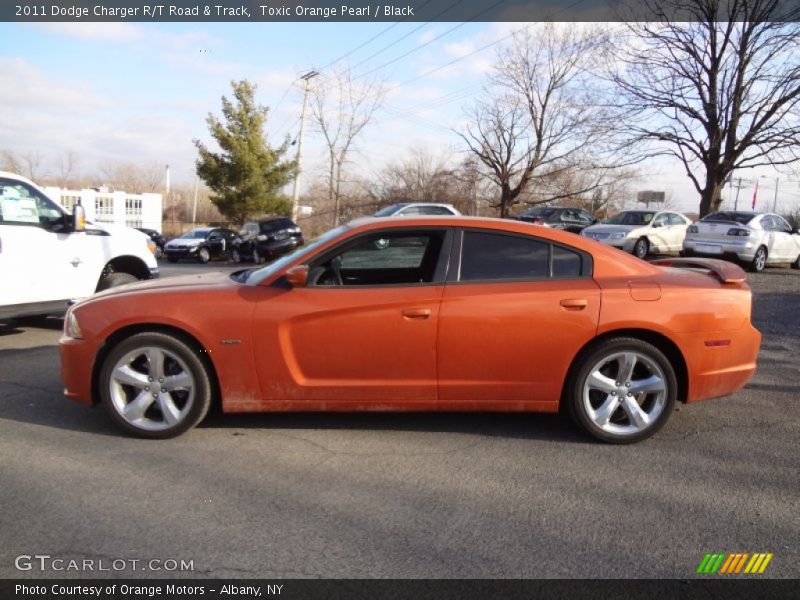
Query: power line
[[421, 46], [400, 39], [373, 38]]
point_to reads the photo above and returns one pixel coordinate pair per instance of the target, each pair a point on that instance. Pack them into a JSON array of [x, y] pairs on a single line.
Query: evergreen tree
[[248, 174]]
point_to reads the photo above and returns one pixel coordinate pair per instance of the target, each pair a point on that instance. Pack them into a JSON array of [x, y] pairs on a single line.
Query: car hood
[[185, 242], [606, 228], [195, 283]]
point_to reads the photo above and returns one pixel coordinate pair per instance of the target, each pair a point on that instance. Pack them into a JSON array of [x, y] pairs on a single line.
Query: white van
[[49, 257]]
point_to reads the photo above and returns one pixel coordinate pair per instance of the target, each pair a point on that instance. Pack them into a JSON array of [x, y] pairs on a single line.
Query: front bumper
[[77, 361], [190, 252], [743, 249]]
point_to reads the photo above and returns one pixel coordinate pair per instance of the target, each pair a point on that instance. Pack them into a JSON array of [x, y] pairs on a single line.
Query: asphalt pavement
[[402, 495]]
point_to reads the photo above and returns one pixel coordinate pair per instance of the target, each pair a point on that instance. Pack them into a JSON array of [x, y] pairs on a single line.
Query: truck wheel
[[113, 280]]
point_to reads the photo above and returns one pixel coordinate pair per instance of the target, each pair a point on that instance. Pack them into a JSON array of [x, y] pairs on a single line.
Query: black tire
[[172, 259], [114, 279], [796, 263], [577, 380], [641, 248], [235, 256], [203, 255], [200, 402], [759, 260]]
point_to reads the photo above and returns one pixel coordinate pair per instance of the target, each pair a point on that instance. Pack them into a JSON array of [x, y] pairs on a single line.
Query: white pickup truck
[[49, 257]]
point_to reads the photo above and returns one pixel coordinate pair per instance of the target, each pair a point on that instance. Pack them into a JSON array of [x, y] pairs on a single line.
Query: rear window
[[388, 211], [540, 212], [276, 224], [728, 216]]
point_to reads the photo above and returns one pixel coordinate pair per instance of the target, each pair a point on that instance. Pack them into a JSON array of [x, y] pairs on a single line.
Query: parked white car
[[416, 209], [642, 232], [49, 257], [757, 239]]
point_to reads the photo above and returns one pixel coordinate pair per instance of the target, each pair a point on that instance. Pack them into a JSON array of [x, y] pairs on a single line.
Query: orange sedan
[[420, 314]]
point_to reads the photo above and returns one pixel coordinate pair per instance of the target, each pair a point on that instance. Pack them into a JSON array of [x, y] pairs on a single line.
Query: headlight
[[151, 245], [71, 326], [262, 238]]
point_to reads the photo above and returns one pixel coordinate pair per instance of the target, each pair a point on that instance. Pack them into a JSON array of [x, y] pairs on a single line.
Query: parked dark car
[[158, 239], [203, 244], [267, 238], [568, 219]]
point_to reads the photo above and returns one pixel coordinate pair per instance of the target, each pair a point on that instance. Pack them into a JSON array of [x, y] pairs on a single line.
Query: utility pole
[[167, 177], [738, 187], [296, 194], [194, 207], [775, 201]]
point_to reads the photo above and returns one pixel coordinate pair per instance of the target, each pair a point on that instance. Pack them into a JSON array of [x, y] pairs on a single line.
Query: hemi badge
[[234, 342], [714, 343]]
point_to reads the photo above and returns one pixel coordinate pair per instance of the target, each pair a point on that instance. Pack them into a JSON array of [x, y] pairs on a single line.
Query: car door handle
[[574, 303], [417, 313]]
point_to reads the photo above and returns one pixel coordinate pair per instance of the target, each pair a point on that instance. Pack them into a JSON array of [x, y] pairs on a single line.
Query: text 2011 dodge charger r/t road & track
[[420, 314]]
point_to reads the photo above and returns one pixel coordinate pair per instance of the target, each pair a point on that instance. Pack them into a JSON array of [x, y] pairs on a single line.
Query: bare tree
[[133, 177], [341, 108], [542, 120], [67, 168], [719, 90]]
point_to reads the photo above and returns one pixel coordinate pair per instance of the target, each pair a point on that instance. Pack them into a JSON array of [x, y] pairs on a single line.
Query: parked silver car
[[415, 209], [757, 239], [642, 232]]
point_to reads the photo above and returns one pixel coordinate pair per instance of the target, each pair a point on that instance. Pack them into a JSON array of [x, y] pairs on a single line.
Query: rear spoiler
[[725, 271]]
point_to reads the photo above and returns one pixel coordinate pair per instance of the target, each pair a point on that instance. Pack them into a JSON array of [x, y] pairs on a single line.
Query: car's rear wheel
[[203, 255], [154, 385], [114, 279], [759, 260], [622, 391], [641, 248]]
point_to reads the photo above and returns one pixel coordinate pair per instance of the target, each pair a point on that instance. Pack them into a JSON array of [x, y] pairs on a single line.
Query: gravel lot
[[424, 496]]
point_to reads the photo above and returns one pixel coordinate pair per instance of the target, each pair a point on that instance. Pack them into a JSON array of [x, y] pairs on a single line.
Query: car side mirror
[[78, 218], [297, 276]]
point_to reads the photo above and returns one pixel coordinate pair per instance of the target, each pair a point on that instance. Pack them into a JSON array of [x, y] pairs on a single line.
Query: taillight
[[738, 231], [693, 229]]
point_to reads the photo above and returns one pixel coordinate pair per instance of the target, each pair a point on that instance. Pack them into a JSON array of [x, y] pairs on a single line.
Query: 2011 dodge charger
[[420, 314]]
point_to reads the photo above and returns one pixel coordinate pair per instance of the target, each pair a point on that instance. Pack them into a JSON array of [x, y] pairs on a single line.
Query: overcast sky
[[141, 92]]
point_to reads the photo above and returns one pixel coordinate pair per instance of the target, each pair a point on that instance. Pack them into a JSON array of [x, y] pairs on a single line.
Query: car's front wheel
[[235, 256], [203, 255], [641, 248], [114, 279], [257, 257], [622, 391], [154, 385]]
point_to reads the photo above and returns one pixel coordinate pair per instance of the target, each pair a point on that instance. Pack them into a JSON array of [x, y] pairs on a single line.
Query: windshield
[[195, 234], [260, 275], [631, 217], [388, 211], [737, 217]]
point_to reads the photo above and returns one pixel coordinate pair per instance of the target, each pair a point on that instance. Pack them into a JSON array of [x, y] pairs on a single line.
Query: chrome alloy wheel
[[151, 388], [625, 393]]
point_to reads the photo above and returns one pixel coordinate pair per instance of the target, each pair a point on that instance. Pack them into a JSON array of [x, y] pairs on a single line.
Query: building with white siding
[[118, 208]]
